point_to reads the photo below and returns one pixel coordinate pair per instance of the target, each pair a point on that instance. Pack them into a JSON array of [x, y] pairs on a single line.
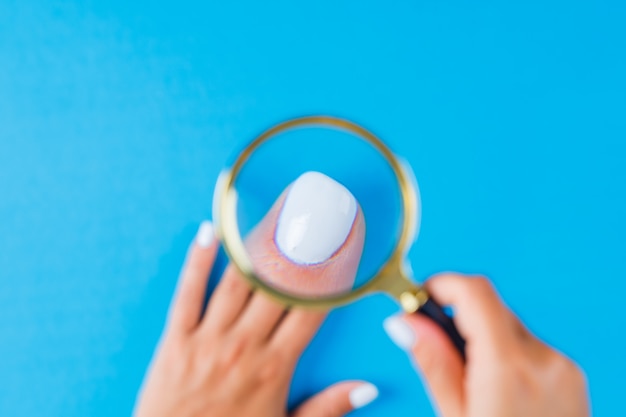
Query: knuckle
[[576, 375], [232, 285], [185, 295], [519, 330], [226, 362], [270, 370], [427, 360], [175, 348], [332, 408], [288, 355], [481, 284], [513, 362], [233, 353], [561, 370], [579, 378], [248, 335], [218, 360], [568, 371], [177, 359], [557, 363]]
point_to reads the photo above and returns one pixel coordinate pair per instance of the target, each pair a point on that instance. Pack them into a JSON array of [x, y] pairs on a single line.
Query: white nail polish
[[316, 219], [205, 234], [399, 332], [363, 395]]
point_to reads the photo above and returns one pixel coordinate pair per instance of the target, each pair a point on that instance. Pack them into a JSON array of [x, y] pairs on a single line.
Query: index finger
[[309, 244], [480, 315]]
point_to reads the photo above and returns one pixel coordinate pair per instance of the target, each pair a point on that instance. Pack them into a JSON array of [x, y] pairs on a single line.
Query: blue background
[[116, 117]]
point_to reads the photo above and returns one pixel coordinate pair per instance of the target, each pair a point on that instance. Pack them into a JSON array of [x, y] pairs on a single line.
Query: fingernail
[[363, 395], [205, 234], [315, 220], [399, 332]]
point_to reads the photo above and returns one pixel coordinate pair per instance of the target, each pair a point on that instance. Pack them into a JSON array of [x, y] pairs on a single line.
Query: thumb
[[434, 354], [310, 242], [338, 400]]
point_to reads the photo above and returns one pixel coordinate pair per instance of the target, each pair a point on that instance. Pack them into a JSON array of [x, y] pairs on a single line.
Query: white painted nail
[[399, 332], [205, 235], [316, 219], [363, 395]]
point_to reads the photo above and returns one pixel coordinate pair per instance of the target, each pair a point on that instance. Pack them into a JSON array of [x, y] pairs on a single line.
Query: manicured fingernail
[[363, 395], [399, 332], [205, 234], [315, 220]]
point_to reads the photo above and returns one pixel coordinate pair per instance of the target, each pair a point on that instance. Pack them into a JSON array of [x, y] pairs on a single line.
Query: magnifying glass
[[343, 170]]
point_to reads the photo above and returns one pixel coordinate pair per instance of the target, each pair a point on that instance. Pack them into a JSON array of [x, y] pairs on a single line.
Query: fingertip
[[427, 332], [323, 252], [203, 249], [187, 305], [362, 394], [315, 220], [417, 334], [339, 399], [454, 286], [441, 281], [205, 235], [400, 332]]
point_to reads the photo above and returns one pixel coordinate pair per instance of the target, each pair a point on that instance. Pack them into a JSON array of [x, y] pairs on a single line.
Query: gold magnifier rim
[[390, 277]]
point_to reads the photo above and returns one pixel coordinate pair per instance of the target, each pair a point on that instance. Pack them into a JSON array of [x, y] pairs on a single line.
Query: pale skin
[[238, 358], [509, 372], [332, 277]]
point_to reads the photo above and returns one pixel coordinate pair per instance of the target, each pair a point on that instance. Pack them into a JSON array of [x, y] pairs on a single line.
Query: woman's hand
[[237, 359], [509, 372]]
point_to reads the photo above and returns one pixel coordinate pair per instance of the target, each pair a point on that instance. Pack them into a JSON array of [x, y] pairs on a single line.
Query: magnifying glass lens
[[319, 211]]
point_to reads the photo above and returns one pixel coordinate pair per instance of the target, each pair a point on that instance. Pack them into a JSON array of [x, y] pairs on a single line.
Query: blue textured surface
[[115, 118]]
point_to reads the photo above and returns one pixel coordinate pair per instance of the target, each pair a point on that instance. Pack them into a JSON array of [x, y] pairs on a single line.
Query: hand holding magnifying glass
[[319, 210], [302, 246]]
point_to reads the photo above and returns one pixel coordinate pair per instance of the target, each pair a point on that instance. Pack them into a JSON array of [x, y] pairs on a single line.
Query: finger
[[338, 400], [295, 332], [227, 302], [434, 354], [260, 318], [480, 315], [309, 244], [188, 301], [261, 315]]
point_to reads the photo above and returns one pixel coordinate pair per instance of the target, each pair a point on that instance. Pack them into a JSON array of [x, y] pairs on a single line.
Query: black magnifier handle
[[434, 311]]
